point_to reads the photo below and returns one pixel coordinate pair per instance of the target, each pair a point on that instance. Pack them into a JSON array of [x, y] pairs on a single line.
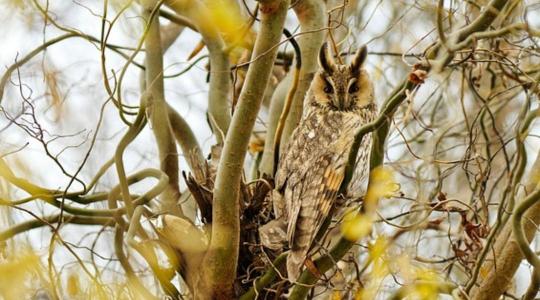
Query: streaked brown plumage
[[311, 169]]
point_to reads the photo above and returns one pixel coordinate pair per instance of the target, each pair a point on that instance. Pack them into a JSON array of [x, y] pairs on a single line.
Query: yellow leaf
[[226, 17], [20, 182], [484, 271], [378, 248], [381, 184], [403, 266], [356, 226], [98, 291], [336, 295], [424, 291], [368, 292], [426, 286], [380, 265], [72, 285], [15, 272], [183, 235], [358, 294]]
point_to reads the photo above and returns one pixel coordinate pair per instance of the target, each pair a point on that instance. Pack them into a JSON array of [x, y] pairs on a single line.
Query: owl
[[312, 167]]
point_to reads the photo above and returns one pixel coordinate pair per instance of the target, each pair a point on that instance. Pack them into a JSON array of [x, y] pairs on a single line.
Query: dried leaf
[[417, 76], [311, 267], [256, 145], [53, 91]]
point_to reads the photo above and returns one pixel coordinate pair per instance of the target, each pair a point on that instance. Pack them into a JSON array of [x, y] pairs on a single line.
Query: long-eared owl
[[311, 169]]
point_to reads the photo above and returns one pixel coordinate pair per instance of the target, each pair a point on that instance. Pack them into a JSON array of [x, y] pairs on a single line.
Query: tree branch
[[220, 82], [312, 16], [158, 110], [221, 261]]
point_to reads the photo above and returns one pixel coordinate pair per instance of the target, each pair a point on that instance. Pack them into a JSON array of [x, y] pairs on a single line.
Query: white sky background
[[79, 64]]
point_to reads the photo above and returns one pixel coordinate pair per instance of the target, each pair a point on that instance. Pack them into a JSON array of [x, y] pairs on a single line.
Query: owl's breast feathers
[[309, 176]]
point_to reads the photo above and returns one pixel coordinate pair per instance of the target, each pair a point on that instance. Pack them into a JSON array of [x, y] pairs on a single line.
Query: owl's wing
[[309, 176], [310, 203]]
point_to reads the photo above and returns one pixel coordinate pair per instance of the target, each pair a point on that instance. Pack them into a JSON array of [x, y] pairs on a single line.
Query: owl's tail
[[295, 261]]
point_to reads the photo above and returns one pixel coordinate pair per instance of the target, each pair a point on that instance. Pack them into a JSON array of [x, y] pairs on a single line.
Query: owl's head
[[342, 87]]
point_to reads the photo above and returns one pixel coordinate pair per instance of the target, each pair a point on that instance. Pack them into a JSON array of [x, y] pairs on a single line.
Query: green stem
[[48, 220]]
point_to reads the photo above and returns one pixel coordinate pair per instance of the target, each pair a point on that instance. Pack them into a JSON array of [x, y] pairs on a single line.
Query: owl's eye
[[353, 88], [328, 89]]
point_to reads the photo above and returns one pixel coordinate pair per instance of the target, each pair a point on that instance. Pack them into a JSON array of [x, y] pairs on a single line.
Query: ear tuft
[[359, 59], [325, 59]]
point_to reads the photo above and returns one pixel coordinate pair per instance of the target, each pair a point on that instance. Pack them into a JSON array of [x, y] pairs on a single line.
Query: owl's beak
[[341, 102]]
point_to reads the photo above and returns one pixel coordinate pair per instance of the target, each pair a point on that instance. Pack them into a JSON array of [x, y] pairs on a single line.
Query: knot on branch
[[417, 75]]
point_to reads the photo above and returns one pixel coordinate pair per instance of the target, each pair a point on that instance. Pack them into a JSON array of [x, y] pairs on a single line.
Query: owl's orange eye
[[353, 88], [328, 89]]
